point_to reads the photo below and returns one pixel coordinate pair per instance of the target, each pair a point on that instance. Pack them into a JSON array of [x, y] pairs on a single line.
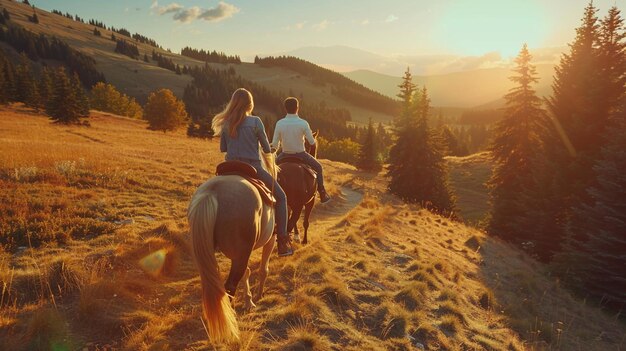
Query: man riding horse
[[290, 133]]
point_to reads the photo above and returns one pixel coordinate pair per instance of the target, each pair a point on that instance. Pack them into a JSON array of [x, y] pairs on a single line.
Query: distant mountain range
[[343, 58], [482, 88], [458, 81]]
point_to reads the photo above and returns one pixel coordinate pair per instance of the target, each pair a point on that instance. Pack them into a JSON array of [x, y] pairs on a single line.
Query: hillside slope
[[138, 78], [469, 176], [482, 88], [377, 275]]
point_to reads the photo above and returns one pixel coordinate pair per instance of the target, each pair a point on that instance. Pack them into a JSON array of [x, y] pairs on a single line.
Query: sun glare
[[477, 27]]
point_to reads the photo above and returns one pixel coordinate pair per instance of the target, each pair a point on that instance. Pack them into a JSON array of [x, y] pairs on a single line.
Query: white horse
[[227, 214]]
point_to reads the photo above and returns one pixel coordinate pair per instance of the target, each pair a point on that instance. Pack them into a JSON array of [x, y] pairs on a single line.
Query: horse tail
[[216, 307]]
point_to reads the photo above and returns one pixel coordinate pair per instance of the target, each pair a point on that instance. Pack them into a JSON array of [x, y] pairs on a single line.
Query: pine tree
[[383, 140], [4, 96], [45, 86], [451, 143], [407, 88], [399, 153], [516, 143], [417, 169], [9, 80], [164, 111], [594, 258], [25, 87], [574, 139], [613, 56], [63, 107], [368, 154], [81, 97]]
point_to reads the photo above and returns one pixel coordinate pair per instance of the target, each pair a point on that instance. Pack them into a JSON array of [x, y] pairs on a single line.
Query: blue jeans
[[311, 161], [279, 194]]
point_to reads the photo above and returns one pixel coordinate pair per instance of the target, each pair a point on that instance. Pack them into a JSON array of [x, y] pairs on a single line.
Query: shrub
[[164, 111], [105, 97], [343, 150]]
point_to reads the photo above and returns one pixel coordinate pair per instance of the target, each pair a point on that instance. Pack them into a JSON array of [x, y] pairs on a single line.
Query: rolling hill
[[483, 88], [378, 274], [344, 58], [137, 78]]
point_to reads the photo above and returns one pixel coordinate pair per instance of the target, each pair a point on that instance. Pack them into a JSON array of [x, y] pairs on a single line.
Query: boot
[[284, 245], [324, 197]]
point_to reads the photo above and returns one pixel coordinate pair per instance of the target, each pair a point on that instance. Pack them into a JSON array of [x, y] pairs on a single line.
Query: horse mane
[[269, 163]]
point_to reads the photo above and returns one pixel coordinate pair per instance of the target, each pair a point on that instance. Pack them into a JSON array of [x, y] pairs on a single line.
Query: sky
[[390, 27]]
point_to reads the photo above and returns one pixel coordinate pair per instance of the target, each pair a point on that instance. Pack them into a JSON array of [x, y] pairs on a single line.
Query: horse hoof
[[296, 238]]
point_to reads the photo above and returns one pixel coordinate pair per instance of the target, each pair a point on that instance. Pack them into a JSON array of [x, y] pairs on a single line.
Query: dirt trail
[[325, 216]]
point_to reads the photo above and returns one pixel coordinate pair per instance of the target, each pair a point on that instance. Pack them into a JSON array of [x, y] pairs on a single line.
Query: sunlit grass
[[95, 252]]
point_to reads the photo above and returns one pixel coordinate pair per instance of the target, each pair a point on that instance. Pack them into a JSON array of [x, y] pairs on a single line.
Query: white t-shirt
[[290, 133]]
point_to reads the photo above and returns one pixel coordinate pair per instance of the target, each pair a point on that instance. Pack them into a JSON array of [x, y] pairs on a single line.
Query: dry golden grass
[[377, 275], [468, 176]]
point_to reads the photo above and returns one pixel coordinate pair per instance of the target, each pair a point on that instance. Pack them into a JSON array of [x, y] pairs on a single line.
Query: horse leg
[[289, 214], [307, 213], [293, 223], [264, 266], [296, 232], [247, 294], [237, 271]]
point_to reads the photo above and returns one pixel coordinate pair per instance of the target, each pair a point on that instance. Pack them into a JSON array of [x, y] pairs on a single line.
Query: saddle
[[249, 173], [293, 159]]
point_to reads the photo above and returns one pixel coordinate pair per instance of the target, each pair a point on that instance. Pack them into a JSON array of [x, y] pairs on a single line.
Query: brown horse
[[300, 187], [227, 214]]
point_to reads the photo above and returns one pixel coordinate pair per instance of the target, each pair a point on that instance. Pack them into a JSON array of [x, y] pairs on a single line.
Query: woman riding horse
[[227, 213], [241, 134]]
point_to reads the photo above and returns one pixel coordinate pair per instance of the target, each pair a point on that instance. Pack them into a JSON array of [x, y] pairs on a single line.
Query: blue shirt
[[250, 133]]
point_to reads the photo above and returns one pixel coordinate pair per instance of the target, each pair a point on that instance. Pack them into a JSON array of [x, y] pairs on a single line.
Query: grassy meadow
[[80, 207]]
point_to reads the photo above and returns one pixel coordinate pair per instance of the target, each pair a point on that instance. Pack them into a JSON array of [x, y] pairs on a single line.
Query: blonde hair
[[240, 105]]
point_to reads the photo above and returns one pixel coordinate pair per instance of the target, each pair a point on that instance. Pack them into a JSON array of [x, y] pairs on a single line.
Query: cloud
[[365, 22], [468, 63], [300, 25], [221, 12], [188, 15], [173, 7], [391, 18], [181, 14], [321, 26]]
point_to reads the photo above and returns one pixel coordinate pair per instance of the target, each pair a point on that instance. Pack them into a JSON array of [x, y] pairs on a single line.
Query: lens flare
[[154, 262]]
